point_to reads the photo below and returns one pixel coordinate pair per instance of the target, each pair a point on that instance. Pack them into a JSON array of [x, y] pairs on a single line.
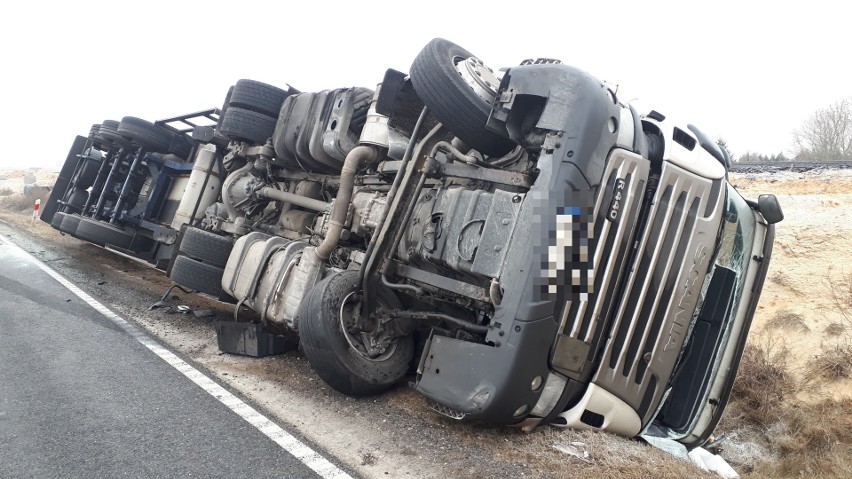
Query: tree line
[[824, 136]]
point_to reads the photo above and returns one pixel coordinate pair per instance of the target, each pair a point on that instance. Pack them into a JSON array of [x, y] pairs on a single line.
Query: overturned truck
[[524, 245]]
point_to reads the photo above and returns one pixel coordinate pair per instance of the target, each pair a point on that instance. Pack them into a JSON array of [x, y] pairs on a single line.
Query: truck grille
[[581, 319], [657, 303]]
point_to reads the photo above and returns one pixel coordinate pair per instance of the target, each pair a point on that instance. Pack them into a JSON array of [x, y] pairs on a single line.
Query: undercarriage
[[521, 244]]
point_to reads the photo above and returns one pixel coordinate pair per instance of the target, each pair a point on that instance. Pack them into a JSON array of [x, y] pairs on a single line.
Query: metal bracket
[[569, 356], [503, 177]]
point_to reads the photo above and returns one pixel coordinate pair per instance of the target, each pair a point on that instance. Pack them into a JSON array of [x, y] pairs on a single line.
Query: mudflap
[[249, 339], [489, 384], [61, 186]]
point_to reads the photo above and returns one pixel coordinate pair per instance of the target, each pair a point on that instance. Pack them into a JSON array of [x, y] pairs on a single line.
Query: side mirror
[[770, 208]]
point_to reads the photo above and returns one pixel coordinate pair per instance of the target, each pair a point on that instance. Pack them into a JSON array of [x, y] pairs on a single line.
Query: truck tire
[[69, 224], [242, 124], [181, 146], [103, 233], [56, 222], [76, 198], [145, 134], [327, 345], [224, 108], [193, 274], [88, 173], [109, 132], [452, 100], [257, 96], [205, 246], [97, 141]]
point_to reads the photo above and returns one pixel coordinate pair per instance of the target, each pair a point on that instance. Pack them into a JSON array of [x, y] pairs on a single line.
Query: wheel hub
[[375, 346], [479, 76]]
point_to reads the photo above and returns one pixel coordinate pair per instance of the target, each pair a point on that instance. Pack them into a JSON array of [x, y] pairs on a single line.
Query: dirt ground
[[812, 255], [396, 434]]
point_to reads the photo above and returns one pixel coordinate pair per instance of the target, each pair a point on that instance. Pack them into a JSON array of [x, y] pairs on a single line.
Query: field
[[792, 412]]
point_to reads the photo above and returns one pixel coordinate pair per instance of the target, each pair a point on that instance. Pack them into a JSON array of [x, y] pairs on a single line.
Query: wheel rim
[[356, 343], [478, 76]]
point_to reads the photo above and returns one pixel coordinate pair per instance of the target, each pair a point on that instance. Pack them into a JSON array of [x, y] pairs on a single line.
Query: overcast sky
[[750, 72]]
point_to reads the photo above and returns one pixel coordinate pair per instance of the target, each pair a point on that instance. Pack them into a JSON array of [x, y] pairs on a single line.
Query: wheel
[[205, 246], [336, 355], [442, 75], [109, 132], [242, 124], [181, 146], [100, 142], [103, 233], [224, 107], [97, 141], [145, 134], [76, 198], [56, 222], [69, 224], [193, 274], [256, 96], [88, 173]]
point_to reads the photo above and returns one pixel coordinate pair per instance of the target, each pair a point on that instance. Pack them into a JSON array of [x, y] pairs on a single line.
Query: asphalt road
[[80, 397]]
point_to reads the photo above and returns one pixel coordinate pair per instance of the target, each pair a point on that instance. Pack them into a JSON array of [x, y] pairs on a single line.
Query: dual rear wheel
[[201, 259]]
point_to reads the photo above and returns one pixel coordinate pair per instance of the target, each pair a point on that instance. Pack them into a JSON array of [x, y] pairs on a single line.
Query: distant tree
[[826, 135], [750, 157], [779, 157]]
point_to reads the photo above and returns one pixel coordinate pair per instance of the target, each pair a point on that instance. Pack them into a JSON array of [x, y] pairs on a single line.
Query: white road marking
[[287, 441]]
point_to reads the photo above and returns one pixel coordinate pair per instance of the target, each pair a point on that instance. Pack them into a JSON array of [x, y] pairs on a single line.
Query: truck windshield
[[735, 242], [721, 297]]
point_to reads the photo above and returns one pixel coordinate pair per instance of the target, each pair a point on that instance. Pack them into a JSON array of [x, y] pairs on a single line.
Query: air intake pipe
[[340, 209]]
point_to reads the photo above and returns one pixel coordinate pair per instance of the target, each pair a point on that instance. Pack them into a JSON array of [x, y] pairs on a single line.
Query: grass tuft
[[835, 329], [800, 437], [832, 364], [19, 202], [786, 319], [764, 382], [841, 294]]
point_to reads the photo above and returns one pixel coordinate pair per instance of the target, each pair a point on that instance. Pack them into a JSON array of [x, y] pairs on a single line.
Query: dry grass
[[764, 382], [834, 363], [20, 202], [782, 279], [786, 319], [835, 329], [812, 439], [802, 438], [841, 294]]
